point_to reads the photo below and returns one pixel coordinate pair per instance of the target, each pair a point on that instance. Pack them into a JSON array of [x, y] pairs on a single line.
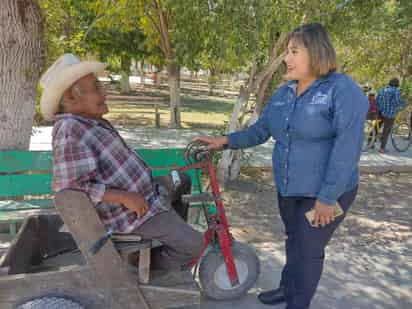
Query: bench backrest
[[24, 173]]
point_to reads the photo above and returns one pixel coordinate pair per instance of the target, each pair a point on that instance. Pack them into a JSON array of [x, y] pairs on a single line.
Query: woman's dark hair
[[394, 82], [321, 51]]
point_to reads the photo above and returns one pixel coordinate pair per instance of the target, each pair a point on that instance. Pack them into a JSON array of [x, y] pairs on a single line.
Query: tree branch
[[274, 61], [163, 31], [98, 17]]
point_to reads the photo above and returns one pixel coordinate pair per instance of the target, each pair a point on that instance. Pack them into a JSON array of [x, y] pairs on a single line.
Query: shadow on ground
[[369, 260]]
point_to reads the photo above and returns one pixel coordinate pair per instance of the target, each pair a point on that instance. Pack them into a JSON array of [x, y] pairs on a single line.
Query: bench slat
[[162, 157], [16, 161], [37, 184], [25, 184], [19, 161]]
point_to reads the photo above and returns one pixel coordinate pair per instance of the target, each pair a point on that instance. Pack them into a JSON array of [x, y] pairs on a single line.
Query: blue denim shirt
[[318, 134]]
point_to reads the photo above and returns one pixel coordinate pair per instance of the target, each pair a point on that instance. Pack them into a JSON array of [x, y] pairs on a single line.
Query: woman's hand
[[323, 214], [213, 143]]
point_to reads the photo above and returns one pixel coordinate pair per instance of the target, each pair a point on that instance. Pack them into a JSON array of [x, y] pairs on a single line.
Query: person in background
[[389, 103], [372, 115], [373, 108]]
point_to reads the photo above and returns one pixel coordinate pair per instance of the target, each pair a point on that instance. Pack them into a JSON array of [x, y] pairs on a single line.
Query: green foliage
[[371, 37], [406, 90]]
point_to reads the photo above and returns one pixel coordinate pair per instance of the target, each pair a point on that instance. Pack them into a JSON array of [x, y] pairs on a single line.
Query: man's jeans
[[181, 243]]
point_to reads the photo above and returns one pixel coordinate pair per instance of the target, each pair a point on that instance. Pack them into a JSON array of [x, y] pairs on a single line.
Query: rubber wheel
[[401, 137], [213, 276], [50, 303], [370, 135]]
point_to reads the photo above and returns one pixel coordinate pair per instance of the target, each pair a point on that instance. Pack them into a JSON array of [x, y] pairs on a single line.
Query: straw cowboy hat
[[63, 73]]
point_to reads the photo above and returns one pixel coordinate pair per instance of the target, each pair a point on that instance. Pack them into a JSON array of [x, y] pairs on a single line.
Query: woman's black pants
[[305, 247]]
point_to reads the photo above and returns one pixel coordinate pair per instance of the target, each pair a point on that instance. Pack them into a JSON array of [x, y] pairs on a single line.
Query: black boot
[[272, 297]]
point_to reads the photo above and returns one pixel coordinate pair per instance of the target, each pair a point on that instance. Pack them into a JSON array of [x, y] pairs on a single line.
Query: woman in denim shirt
[[317, 120]]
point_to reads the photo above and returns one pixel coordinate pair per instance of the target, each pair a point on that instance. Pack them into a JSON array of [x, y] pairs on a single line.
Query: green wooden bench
[[25, 181]]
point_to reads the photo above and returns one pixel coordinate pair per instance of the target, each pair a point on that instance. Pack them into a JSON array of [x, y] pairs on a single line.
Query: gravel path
[[369, 260]]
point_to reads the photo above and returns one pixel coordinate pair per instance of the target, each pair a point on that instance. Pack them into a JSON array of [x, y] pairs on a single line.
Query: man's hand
[[129, 200], [323, 214], [213, 143], [135, 202]]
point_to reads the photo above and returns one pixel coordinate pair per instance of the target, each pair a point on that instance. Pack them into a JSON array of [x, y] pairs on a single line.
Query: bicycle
[[401, 133], [227, 268], [401, 136], [372, 132]]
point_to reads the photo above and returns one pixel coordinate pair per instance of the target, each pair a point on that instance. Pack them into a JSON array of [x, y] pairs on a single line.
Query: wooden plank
[[110, 271], [12, 161], [75, 282], [25, 184], [25, 246], [80, 216], [78, 283], [144, 265]]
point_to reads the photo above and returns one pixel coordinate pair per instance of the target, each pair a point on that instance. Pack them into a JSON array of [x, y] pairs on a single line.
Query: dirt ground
[[369, 259], [368, 262]]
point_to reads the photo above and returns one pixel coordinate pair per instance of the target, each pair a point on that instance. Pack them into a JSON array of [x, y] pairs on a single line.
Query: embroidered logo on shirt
[[319, 99], [278, 103]]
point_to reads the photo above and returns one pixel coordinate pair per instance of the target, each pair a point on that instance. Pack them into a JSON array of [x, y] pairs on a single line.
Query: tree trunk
[[125, 72], [173, 72], [142, 74], [212, 80], [158, 78], [229, 164], [405, 55], [260, 99], [21, 56]]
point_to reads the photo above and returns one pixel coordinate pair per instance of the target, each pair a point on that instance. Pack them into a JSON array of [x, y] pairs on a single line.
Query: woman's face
[[297, 61]]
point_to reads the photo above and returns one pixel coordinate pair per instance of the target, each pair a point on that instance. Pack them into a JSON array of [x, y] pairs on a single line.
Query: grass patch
[[196, 112]]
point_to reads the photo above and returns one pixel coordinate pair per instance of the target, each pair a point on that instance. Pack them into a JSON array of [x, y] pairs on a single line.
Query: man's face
[[90, 102]]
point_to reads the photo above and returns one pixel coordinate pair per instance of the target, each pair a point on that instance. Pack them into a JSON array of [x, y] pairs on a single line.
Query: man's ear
[[69, 101]]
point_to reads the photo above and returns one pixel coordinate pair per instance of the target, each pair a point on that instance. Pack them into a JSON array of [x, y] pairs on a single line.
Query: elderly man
[[90, 155]]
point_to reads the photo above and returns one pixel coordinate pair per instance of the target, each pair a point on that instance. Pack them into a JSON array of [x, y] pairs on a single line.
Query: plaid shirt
[[389, 101], [90, 156]]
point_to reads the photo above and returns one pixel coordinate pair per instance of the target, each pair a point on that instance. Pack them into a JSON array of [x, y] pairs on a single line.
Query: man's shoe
[[272, 297]]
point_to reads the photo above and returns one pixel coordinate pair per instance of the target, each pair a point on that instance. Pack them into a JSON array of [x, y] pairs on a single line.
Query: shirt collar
[[91, 121], [293, 83]]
